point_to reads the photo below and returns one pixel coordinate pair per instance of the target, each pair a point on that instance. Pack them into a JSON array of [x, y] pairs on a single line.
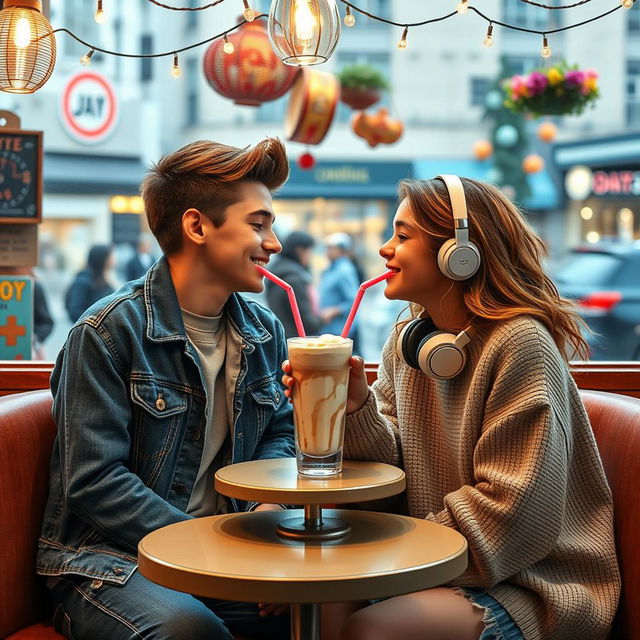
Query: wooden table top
[[239, 556], [277, 480]]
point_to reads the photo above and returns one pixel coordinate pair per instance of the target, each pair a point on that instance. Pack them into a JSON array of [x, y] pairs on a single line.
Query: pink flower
[[536, 83], [574, 78]]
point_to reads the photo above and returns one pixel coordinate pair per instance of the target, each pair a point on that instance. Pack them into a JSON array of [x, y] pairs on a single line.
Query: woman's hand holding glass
[[358, 388]]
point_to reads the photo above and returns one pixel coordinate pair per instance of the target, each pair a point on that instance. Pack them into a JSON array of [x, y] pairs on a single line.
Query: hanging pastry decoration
[[245, 68], [377, 128]]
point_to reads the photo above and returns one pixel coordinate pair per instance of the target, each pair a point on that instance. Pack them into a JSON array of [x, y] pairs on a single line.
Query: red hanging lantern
[[306, 161], [253, 73]]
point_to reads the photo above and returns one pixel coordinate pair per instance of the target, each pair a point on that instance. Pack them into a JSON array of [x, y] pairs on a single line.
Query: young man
[[159, 385]]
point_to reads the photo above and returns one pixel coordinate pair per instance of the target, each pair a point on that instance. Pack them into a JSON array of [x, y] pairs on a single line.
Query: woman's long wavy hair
[[510, 281]]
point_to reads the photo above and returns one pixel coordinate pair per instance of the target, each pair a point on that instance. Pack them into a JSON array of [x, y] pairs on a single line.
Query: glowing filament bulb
[[545, 52], [22, 35], [627, 4], [85, 61], [488, 39], [305, 22], [349, 18], [249, 14], [176, 71], [228, 47], [463, 6], [403, 40], [99, 15]]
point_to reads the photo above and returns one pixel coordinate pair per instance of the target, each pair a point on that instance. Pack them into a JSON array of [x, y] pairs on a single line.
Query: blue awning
[[544, 194]]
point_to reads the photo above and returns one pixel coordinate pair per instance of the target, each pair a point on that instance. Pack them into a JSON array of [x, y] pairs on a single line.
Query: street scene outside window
[[451, 97]]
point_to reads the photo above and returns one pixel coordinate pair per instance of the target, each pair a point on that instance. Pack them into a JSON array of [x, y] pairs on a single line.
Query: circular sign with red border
[[89, 107]]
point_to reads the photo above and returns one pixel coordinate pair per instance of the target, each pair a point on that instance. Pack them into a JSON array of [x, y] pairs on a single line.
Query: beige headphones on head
[[441, 354], [458, 257]]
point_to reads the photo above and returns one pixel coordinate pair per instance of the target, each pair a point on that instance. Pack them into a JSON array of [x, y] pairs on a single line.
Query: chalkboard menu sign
[[20, 176]]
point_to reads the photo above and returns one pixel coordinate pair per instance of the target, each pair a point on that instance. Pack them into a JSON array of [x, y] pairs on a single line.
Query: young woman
[[475, 401]]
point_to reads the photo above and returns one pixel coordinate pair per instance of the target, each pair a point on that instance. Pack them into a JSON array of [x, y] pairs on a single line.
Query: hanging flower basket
[[559, 90], [361, 85]]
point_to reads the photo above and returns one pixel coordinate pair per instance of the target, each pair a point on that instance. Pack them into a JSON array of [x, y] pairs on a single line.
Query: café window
[[78, 19], [479, 89], [633, 93], [529, 16]]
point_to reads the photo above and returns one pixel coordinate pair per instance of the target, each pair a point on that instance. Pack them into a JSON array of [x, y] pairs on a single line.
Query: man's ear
[[192, 226]]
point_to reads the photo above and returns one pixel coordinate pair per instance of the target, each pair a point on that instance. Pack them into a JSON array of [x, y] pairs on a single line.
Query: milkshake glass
[[320, 368]]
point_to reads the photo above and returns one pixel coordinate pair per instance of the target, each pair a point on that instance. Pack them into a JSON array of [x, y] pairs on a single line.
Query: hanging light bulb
[[304, 32], [402, 43], [99, 14], [349, 18], [228, 47], [85, 61], [248, 14], [176, 71], [488, 39], [27, 46], [463, 6], [626, 4], [545, 52]]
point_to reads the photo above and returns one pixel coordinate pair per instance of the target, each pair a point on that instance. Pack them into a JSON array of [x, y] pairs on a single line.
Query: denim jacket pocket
[[160, 413], [267, 394]]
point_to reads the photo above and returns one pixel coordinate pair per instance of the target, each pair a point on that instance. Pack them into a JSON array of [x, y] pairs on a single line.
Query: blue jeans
[[499, 625], [88, 609]]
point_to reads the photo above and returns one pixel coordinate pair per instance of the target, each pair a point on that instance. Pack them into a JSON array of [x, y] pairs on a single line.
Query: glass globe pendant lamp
[[304, 32], [27, 46]]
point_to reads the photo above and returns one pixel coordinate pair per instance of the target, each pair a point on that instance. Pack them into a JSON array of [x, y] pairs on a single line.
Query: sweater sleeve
[[512, 515], [372, 432]]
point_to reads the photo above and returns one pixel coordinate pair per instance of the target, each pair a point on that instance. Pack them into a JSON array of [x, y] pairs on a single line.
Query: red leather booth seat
[[26, 437]]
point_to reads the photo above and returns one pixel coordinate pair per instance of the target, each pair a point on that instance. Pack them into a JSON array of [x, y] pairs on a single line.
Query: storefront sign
[[616, 183], [89, 107], [582, 182], [16, 317]]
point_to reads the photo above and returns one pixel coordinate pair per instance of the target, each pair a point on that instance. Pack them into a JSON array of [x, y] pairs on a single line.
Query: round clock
[[15, 180]]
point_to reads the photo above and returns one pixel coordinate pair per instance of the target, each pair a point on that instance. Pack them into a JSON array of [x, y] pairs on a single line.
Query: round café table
[[252, 557]]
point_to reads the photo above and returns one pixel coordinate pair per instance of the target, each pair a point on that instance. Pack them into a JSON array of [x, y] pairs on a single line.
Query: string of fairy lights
[[302, 33], [462, 7]]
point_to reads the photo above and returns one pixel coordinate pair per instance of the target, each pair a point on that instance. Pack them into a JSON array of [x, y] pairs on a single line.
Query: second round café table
[[291, 556]]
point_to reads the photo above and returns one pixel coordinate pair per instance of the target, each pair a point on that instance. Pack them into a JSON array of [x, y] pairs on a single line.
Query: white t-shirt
[[207, 334]]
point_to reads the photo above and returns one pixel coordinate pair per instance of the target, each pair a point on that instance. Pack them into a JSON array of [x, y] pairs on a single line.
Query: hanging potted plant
[[558, 90], [360, 85]]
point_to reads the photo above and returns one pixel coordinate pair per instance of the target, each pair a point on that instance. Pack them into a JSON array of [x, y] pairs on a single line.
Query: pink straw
[[356, 303], [293, 303]]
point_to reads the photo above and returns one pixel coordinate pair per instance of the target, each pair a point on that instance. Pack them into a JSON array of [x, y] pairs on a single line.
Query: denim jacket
[[129, 403]]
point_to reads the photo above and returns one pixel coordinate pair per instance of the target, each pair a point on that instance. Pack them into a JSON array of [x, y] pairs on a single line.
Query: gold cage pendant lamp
[[304, 32], [27, 47]]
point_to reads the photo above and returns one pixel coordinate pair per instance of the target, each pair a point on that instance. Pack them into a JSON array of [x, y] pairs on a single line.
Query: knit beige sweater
[[504, 454]]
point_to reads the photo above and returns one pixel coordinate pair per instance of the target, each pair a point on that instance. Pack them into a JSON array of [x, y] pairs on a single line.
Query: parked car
[[605, 281]]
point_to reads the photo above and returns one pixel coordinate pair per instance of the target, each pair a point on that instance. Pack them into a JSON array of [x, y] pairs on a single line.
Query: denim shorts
[[499, 625]]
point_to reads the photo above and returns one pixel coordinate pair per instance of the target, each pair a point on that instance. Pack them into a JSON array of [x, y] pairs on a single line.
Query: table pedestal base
[[305, 621], [313, 527]]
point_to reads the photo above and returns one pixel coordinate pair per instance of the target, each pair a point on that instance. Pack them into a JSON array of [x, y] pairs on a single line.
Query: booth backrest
[[616, 424], [27, 431]]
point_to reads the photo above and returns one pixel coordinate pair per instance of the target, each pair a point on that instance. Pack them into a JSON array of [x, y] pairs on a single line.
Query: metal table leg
[[305, 622], [314, 527]]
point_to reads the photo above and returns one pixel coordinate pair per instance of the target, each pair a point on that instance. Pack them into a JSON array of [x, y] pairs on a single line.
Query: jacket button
[[160, 404], [277, 396], [96, 584], [178, 487], [118, 570]]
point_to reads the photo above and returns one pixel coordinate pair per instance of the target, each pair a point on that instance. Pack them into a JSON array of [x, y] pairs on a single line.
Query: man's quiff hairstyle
[[204, 175]]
